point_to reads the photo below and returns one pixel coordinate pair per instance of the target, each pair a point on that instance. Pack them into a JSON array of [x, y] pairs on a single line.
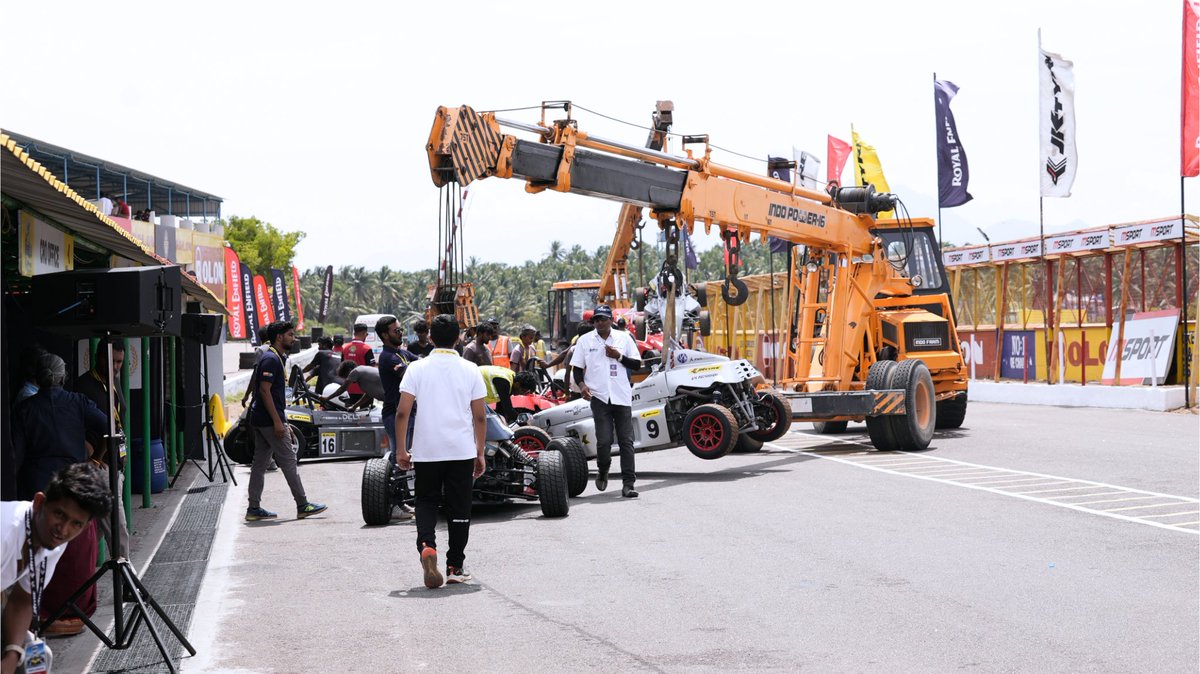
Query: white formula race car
[[702, 400]]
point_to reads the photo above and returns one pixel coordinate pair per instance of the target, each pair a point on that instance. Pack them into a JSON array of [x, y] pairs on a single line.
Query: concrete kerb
[[1154, 398]]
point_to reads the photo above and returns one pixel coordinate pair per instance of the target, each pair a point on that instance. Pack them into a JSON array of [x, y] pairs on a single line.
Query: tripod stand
[[217, 458], [124, 576]]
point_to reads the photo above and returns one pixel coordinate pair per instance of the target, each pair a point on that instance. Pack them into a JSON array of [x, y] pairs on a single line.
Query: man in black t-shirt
[[272, 438], [421, 346], [326, 363], [393, 361]]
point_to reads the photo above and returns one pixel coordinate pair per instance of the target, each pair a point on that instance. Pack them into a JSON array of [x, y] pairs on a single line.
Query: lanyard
[[116, 411], [37, 575]]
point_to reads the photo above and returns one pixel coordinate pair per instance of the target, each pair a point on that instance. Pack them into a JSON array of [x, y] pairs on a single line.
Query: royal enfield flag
[[279, 296], [870, 171], [838, 151], [1059, 160], [326, 293], [262, 301], [952, 158], [299, 302], [1189, 128], [253, 322], [233, 295]]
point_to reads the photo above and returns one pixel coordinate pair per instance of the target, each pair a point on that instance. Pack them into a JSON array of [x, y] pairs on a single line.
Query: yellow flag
[[869, 170]]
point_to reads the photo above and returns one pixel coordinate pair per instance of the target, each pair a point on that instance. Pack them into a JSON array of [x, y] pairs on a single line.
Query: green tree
[[260, 245]]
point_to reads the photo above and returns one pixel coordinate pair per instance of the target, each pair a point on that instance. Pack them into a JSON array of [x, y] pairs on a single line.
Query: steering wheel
[[548, 386]]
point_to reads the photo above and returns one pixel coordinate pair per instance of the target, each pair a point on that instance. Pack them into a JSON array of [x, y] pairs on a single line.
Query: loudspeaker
[[129, 301], [204, 328]]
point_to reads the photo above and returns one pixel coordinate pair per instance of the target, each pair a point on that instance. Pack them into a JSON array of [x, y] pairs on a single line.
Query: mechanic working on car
[[600, 362], [365, 377], [359, 353], [502, 384], [272, 438], [33, 536], [524, 354], [325, 362], [447, 448]]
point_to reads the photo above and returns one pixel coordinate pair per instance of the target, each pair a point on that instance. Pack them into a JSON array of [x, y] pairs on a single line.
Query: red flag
[[262, 300], [233, 295], [299, 306], [1189, 127], [839, 152]]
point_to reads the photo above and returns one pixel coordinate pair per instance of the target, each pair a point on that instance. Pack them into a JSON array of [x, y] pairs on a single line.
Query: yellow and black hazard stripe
[[888, 402], [475, 148]]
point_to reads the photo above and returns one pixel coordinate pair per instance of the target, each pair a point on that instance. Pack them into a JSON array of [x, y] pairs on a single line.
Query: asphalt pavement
[[796, 558]]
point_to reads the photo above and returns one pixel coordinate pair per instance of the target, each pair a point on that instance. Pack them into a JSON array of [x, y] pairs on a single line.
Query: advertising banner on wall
[[1019, 360], [209, 265], [1159, 230], [143, 231], [1074, 243], [44, 249], [965, 256], [1146, 352], [184, 253], [233, 295], [1003, 252]]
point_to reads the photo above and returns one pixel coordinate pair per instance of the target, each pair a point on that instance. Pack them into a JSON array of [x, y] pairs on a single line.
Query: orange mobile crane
[[871, 325]]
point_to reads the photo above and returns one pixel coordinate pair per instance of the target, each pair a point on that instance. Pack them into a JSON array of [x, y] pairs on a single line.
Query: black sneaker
[[256, 514], [456, 574], [628, 491], [311, 509], [602, 479]]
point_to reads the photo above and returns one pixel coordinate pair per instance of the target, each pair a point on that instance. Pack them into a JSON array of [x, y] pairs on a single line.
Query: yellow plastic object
[[216, 412]]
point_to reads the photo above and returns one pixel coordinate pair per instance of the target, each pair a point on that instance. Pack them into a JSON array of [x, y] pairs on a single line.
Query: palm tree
[[556, 251]]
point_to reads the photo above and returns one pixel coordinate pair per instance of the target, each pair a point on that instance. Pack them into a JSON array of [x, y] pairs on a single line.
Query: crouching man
[[33, 536]]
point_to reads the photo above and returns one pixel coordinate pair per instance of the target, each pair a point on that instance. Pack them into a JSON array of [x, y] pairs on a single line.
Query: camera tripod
[[123, 575]]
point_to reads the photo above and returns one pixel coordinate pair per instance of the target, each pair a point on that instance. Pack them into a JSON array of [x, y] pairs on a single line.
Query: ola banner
[[299, 303], [233, 295]]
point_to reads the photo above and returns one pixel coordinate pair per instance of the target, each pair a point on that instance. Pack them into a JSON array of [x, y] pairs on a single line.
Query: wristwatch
[[15, 648]]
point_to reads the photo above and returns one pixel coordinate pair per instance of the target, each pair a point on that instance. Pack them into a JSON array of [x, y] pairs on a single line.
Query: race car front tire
[[552, 485], [709, 431], [531, 439], [574, 461]]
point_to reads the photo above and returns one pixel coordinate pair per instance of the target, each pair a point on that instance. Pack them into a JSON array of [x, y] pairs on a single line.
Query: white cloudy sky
[[314, 116]]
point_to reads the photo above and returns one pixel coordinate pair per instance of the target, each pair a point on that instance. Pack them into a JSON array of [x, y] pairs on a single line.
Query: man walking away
[[447, 448], [272, 439], [601, 361]]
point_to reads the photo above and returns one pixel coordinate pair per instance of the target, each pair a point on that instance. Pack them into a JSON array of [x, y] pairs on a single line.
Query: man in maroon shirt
[[359, 353]]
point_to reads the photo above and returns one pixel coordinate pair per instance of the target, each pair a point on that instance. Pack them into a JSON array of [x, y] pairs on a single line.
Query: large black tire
[[701, 290], [239, 443], [830, 427], [710, 431], [377, 491], [705, 324], [531, 439], [575, 461], [952, 411], [914, 429], [774, 416], [746, 444], [552, 485], [879, 377], [300, 444]]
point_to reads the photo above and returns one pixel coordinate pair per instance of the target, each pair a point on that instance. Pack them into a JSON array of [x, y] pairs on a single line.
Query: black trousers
[[455, 480], [618, 420]]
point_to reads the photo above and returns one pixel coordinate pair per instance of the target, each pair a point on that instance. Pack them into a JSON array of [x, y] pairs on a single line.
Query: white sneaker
[[456, 575]]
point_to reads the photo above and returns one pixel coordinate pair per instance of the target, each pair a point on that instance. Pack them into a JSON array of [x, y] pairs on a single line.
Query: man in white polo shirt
[[600, 361], [447, 448]]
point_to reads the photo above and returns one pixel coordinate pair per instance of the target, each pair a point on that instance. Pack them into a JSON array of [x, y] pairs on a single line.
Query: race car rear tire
[[952, 411], [377, 490], [746, 444], [575, 462], [880, 427], [830, 427], [239, 443], [913, 430], [775, 411], [552, 485], [710, 431], [531, 439]]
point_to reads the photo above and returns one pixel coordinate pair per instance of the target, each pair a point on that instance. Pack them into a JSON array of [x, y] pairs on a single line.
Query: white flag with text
[[1059, 160]]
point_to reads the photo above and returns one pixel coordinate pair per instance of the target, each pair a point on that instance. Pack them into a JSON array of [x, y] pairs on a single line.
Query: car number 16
[[329, 443]]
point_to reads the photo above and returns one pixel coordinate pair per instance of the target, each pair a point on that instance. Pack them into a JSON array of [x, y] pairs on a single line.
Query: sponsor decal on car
[[706, 368], [650, 413], [298, 416]]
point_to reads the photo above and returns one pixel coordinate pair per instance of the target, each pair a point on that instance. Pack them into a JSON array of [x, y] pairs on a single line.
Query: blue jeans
[[389, 426]]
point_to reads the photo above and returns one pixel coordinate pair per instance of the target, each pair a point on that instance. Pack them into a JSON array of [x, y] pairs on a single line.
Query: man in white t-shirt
[[599, 362], [447, 447], [74, 496]]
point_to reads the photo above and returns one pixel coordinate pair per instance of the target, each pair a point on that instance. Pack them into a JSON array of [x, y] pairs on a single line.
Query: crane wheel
[[880, 427], [914, 429], [740, 292], [952, 411]]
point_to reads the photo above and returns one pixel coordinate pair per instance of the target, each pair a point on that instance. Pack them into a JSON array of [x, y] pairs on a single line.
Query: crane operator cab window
[[916, 250]]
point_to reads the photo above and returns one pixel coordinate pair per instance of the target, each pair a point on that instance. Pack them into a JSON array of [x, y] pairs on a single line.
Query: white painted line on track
[[802, 443], [1189, 512]]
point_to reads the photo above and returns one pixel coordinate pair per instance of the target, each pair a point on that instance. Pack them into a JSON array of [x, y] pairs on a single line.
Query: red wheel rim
[[530, 443], [707, 432]]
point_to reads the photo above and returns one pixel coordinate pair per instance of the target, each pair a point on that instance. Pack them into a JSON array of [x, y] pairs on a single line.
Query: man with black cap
[[600, 362]]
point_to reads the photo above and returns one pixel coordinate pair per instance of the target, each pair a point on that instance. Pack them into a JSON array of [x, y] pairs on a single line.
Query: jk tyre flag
[[952, 158], [870, 171], [1059, 159]]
